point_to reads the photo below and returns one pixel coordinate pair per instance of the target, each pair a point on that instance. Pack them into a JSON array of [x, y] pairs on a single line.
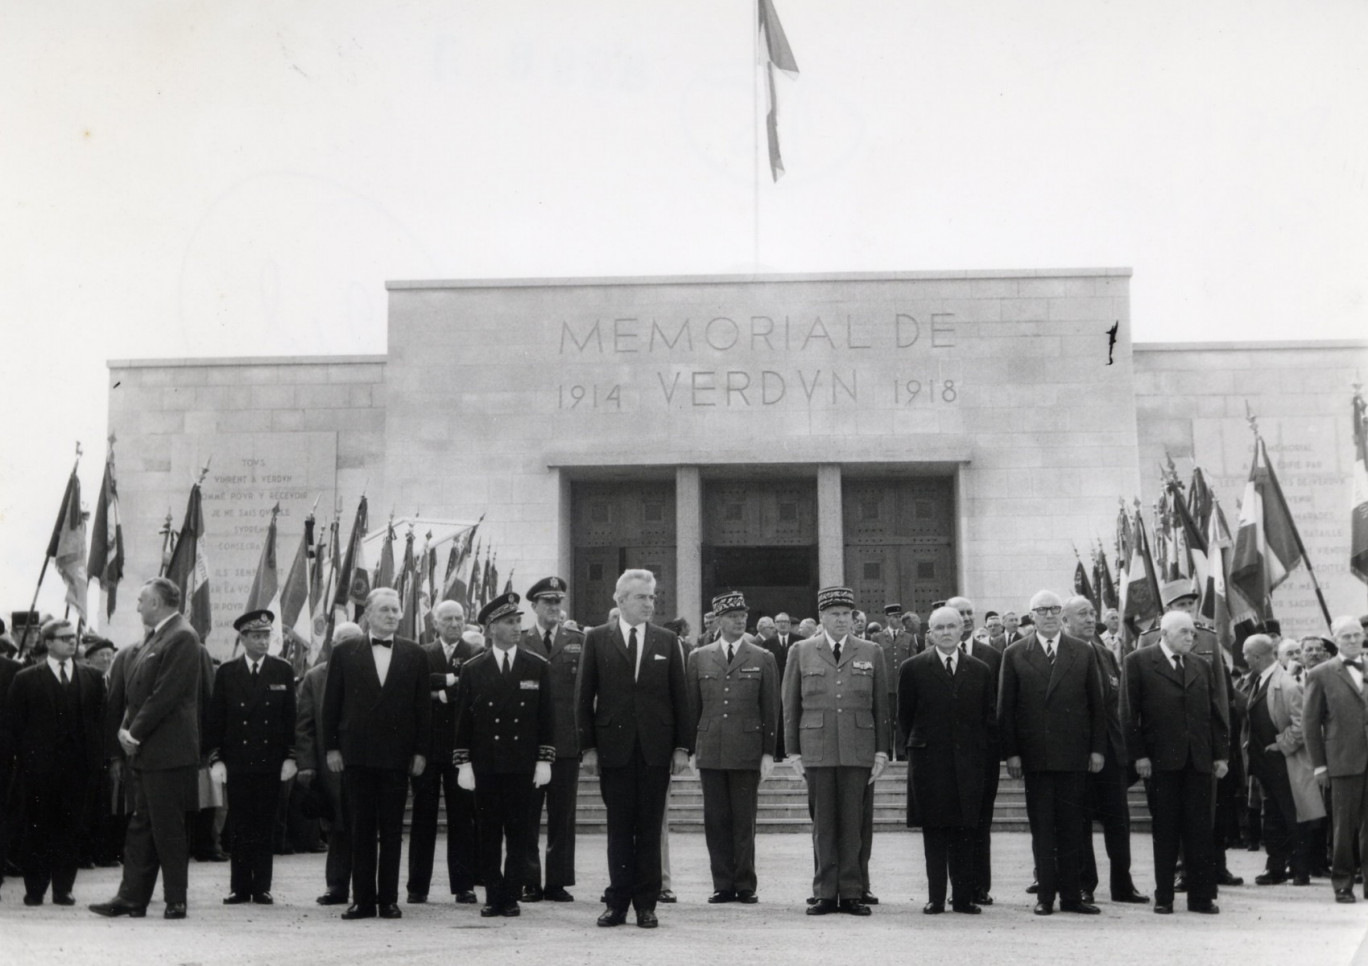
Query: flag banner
[[1215, 601], [189, 567], [1358, 514], [106, 540], [1106, 589], [777, 56], [1140, 600], [1082, 586], [296, 616], [353, 582], [265, 592], [1267, 546], [67, 547], [408, 592], [455, 587], [384, 568]]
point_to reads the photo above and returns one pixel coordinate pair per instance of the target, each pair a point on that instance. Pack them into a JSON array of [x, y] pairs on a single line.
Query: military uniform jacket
[[567, 648], [504, 721], [734, 707], [1051, 716], [896, 649], [251, 722], [836, 715], [1175, 720], [444, 711]]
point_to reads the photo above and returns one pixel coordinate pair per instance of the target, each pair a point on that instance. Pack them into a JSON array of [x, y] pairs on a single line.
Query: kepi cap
[[726, 603], [547, 587], [501, 606], [254, 621], [835, 597]]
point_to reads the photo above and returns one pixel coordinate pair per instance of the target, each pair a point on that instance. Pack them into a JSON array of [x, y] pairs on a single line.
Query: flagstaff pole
[[33, 607]]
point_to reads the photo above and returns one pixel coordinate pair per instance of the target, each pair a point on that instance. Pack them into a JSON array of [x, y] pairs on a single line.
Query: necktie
[[1049, 652], [546, 640], [505, 662], [836, 651], [65, 680], [1178, 663], [632, 651], [962, 648], [730, 653], [949, 665], [255, 668]]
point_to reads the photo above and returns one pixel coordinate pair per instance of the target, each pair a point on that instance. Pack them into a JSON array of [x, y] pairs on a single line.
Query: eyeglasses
[[1048, 611], [62, 637]]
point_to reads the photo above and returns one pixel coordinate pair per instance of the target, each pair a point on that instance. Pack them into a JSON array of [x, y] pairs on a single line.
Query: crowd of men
[[136, 755]]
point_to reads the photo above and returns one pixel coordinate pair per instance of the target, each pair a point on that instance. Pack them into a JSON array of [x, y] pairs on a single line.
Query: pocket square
[[278, 687], [660, 657]]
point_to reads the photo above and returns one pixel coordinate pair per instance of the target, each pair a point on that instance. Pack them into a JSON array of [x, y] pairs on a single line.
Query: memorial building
[[913, 435]]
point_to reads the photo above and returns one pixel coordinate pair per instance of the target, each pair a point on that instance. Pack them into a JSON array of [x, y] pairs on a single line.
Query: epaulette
[[533, 653]]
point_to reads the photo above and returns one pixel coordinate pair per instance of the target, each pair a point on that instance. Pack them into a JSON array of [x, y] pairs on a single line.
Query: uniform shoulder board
[[531, 653], [1204, 624]]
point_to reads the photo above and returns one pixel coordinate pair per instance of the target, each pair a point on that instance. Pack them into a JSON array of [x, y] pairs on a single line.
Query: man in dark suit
[[1178, 735], [249, 741], [1107, 802], [1053, 727], [733, 690], [562, 648], [503, 748], [983, 829], [446, 657], [834, 696], [52, 720], [376, 723], [156, 702], [309, 754], [632, 714], [1334, 725], [784, 639], [947, 708]]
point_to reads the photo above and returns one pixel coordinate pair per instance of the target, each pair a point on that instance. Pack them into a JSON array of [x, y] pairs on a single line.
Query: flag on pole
[[455, 586], [777, 56], [1082, 586], [408, 591], [189, 567], [384, 568], [1267, 546], [296, 617], [68, 545], [265, 592], [353, 582], [1215, 600], [489, 583], [473, 601], [1140, 600], [323, 591], [106, 540], [1106, 590], [1358, 514]]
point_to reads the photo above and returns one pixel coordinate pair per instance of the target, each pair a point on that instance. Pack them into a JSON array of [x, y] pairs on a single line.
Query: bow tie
[[1356, 664], [376, 642]]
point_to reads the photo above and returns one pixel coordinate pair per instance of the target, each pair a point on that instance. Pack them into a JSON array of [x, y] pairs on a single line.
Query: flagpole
[[755, 141], [1296, 534], [33, 607]]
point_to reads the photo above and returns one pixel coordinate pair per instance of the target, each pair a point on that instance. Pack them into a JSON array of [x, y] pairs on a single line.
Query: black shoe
[[856, 907], [1133, 896], [416, 899], [331, 899], [236, 899], [511, 910], [1205, 908], [613, 917], [667, 896], [219, 856], [118, 907], [557, 894], [467, 897], [604, 898], [933, 908], [531, 894], [359, 912], [1164, 908], [721, 896], [1270, 878], [489, 912], [31, 900], [1087, 897], [1297, 880], [174, 910], [746, 897], [868, 899], [1044, 909], [1033, 888], [63, 899], [263, 899], [646, 919], [1226, 879], [1345, 895], [1080, 907], [391, 910], [1180, 884], [812, 900], [822, 907], [968, 908], [983, 899]]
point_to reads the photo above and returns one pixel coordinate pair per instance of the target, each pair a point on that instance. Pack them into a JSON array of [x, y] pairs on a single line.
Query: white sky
[[208, 178]]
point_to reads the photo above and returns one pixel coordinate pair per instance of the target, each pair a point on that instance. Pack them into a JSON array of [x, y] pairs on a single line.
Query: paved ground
[[1281, 925]]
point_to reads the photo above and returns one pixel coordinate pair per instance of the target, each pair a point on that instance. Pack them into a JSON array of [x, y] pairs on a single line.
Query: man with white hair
[[1335, 726], [1177, 735], [309, 753], [376, 722], [1052, 722]]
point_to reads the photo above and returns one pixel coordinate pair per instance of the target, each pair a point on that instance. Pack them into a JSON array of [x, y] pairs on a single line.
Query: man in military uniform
[[1180, 596], [836, 729], [898, 644], [445, 658], [562, 648], [733, 687], [249, 741], [504, 748]]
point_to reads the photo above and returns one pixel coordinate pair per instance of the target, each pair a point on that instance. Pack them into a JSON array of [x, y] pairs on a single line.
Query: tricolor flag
[[408, 591], [106, 541], [384, 567], [353, 583], [1106, 590], [296, 617], [1267, 546], [1358, 515], [68, 545], [1215, 599], [265, 590], [1140, 601], [455, 587], [777, 56], [1082, 586], [189, 568]]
